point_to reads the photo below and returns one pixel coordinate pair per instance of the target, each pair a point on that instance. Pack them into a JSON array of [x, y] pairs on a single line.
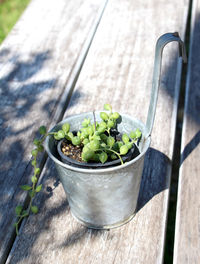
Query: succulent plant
[[97, 139]]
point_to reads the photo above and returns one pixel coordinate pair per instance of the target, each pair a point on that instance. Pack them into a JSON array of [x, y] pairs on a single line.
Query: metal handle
[[161, 42]]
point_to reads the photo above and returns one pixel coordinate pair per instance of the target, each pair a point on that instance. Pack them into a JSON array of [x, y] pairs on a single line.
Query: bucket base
[[89, 225]]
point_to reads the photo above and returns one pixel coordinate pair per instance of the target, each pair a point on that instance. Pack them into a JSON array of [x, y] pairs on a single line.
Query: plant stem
[[94, 121], [117, 155]]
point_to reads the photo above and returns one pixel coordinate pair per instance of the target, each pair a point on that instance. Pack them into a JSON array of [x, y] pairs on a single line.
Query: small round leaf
[[110, 141], [33, 162], [37, 171], [87, 155], [38, 188], [123, 150], [115, 115], [34, 179], [25, 187], [107, 107], [113, 156], [76, 141], [34, 152], [94, 144], [104, 116], [42, 130], [60, 134], [125, 138], [66, 128], [36, 142], [18, 210], [34, 209], [111, 123], [103, 157], [138, 133]]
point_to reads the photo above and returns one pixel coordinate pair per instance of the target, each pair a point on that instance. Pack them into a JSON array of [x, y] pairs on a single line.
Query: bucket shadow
[[155, 177]]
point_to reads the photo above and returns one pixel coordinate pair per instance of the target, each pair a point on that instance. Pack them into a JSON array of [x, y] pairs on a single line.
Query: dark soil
[[71, 151]]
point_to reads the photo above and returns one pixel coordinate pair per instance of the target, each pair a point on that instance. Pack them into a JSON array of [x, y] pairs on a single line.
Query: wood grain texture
[[187, 235], [37, 63], [118, 70]]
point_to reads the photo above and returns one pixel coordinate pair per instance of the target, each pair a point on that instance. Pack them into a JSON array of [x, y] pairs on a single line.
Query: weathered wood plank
[[39, 61], [187, 235], [118, 69]]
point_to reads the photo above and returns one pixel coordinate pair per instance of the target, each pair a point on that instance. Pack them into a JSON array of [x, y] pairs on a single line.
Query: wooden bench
[[187, 235], [40, 63]]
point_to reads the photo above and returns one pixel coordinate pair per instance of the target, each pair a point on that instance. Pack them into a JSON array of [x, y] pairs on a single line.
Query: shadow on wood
[[155, 176]]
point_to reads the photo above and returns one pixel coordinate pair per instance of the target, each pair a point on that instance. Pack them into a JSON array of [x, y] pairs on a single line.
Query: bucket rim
[[147, 139]]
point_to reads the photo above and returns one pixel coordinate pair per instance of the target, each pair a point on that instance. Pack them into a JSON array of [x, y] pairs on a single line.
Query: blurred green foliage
[[10, 11]]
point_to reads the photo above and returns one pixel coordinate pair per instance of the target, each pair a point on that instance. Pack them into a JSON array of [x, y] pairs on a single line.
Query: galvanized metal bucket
[[107, 198]]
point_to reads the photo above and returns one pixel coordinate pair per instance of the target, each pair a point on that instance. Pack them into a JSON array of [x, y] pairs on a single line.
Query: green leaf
[[103, 145], [110, 141], [90, 130], [103, 157], [34, 179], [60, 134], [85, 141], [37, 171], [96, 157], [36, 142], [120, 143], [18, 210], [107, 107], [104, 138], [87, 155], [34, 209], [86, 148], [111, 123], [84, 132], [123, 150], [34, 162], [38, 188], [24, 213], [113, 156], [86, 122], [115, 147], [42, 130], [96, 137], [104, 116], [129, 145], [76, 141], [132, 135], [138, 133], [125, 138], [31, 193], [66, 128], [115, 115], [40, 148], [70, 135], [56, 136], [25, 187], [34, 152], [94, 145]]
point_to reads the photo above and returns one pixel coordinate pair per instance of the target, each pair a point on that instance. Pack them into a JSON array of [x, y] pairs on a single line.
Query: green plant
[[32, 189], [97, 143], [97, 140]]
